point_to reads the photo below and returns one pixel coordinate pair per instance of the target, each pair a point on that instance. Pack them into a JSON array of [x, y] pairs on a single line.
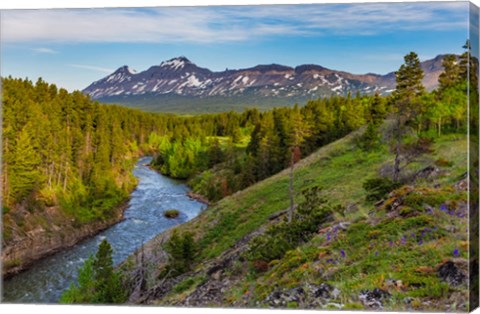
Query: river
[[45, 281]]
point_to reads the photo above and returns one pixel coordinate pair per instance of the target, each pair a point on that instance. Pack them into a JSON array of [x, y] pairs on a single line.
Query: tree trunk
[[439, 126], [290, 190], [396, 164]]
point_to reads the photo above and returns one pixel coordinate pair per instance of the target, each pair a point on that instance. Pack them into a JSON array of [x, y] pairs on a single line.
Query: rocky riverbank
[[60, 233]]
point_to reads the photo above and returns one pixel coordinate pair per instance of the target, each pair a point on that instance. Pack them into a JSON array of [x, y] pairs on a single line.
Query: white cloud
[[44, 50], [92, 68], [221, 24]]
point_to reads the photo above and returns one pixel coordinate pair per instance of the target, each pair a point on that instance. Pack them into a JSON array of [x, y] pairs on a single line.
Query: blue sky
[[73, 48]]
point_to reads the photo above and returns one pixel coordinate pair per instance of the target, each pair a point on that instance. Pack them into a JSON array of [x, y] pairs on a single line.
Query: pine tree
[[98, 282], [108, 285], [181, 250], [298, 131], [451, 73], [23, 173], [405, 97]]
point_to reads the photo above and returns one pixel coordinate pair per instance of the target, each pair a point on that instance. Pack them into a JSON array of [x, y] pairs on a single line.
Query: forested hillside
[[67, 170], [379, 218]]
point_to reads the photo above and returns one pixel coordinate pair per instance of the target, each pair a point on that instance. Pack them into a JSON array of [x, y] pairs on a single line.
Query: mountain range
[[179, 85]]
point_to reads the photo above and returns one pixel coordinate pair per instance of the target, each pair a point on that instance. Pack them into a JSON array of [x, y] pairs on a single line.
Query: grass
[[372, 251]]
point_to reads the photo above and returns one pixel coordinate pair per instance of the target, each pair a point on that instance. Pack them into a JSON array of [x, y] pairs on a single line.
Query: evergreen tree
[[451, 73], [407, 106], [298, 131], [98, 283], [181, 250], [23, 172]]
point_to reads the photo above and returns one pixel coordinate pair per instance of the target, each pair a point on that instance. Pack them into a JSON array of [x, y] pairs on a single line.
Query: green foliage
[[98, 282], [378, 188], [5, 209], [24, 173], [370, 139], [171, 213], [62, 150], [282, 237], [442, 162], [188, 283], [181, 249]]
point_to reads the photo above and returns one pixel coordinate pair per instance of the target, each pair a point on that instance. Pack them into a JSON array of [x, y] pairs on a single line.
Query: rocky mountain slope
[[179, 82]]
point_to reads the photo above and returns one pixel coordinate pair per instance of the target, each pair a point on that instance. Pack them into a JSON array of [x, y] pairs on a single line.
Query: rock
[[408, 300], [323, 291], [308, 296], [351, 208], [451, 229], [448, 271], [427, 172], [373, 298], [216, 276], [342, 225], [393, 283], [335, 305], [462, 185], [335, 293]]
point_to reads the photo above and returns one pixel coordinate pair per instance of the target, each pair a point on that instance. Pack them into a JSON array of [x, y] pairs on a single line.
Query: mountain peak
[[180, 77], [177, 63], [125, 69]]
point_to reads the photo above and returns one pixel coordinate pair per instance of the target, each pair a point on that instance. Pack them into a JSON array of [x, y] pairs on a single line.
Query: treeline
[[63, 150], [284, 135]]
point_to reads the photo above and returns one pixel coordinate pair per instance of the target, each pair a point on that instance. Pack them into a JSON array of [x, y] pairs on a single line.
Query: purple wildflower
[[404, 240], [329, 237], [451, 212], [342, 252], [456, 253], [330, 260], [390, 243], [420, 242], [443, 208], [376, 253]]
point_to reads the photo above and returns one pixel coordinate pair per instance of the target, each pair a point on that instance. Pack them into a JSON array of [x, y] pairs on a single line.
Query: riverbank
[[21, 253], [46, 279]]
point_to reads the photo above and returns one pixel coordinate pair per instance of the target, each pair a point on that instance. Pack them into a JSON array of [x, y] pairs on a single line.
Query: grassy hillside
[[407, 252]]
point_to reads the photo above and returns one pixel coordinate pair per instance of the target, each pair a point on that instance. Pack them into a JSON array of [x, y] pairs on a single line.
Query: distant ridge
[[178, 81]]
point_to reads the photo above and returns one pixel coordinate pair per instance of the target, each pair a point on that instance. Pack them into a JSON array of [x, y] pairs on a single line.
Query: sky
[[74, 47]]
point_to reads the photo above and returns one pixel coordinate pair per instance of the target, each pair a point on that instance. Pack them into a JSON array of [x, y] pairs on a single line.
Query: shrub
[[171, 213], [378, 188], [280, 238], [181, 251], [442, 162], [5, 209], [184, 285], [260, 266], [370, 139]]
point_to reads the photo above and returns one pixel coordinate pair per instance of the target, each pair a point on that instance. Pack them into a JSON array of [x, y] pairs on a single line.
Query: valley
[[343, 202]]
